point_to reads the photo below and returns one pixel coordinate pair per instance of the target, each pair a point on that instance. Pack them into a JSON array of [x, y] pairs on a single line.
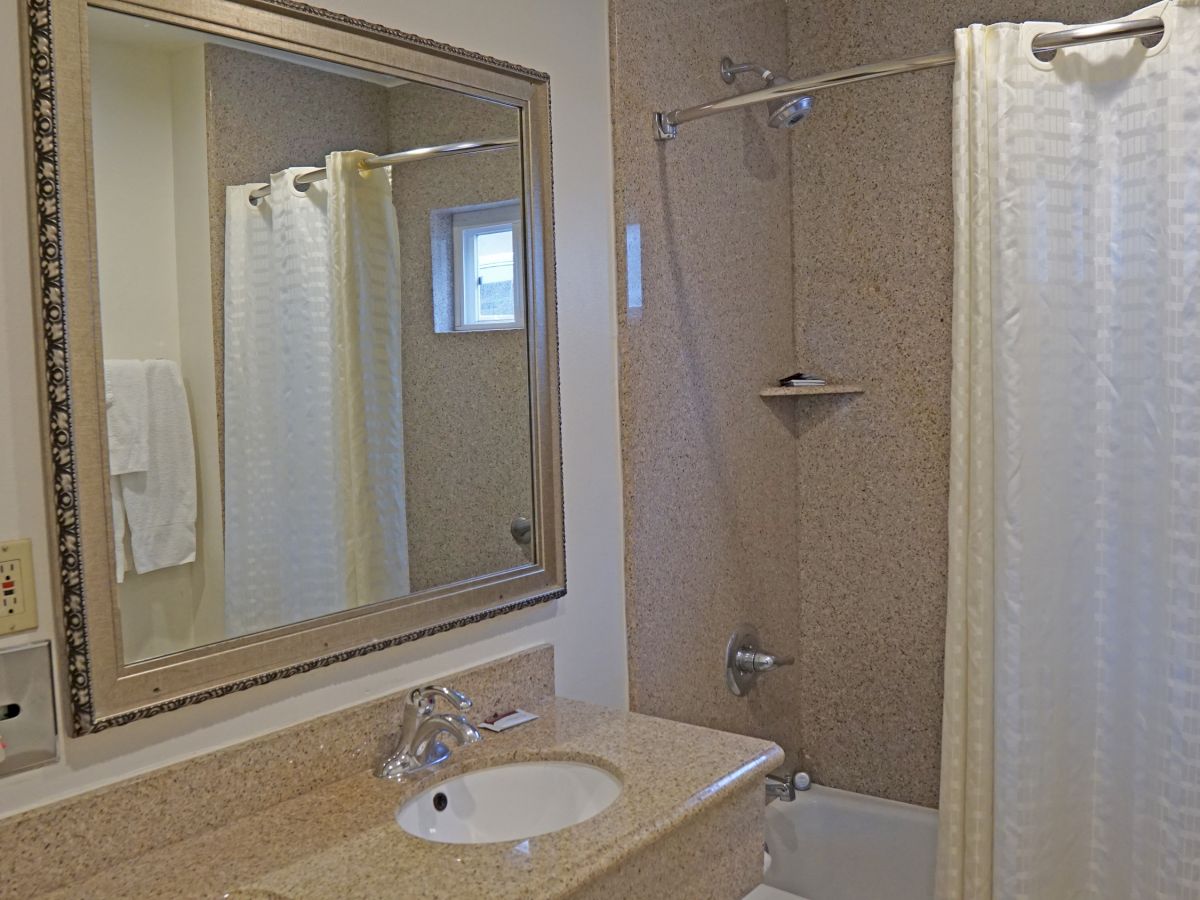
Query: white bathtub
[[834, 845]]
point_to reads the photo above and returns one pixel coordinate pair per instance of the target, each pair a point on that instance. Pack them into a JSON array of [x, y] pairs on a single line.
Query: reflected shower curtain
[[1071, 745], [314, 450]]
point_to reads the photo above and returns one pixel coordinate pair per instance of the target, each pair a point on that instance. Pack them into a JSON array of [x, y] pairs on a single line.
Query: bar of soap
[[505, 721]]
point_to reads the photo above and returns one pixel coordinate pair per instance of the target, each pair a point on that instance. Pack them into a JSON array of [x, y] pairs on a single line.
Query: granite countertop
[[341, 839]]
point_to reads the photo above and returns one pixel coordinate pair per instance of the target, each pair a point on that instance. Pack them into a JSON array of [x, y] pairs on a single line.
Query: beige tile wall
[[822, 520], [710, 491]]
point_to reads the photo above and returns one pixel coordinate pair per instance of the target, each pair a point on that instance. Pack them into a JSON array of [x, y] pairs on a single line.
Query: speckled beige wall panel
[[873, 231], [265, 115], [466, 395], [66, 842], [710, 502]]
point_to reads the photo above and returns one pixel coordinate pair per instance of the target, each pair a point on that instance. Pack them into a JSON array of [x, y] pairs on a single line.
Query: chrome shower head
[[789, 111]]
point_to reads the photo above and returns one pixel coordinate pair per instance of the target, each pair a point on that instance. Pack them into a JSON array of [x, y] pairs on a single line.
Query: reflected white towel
[[160, 503], [127, 411]]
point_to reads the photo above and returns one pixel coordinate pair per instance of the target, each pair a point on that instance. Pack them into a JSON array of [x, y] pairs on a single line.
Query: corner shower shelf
[[811, 391]]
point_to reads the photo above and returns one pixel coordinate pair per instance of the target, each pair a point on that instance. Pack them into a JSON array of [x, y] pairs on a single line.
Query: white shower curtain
[[1071, 747], [314, 450]]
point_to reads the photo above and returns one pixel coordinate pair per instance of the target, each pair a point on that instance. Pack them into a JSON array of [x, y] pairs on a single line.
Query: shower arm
[[1045, 46], [730, 70]]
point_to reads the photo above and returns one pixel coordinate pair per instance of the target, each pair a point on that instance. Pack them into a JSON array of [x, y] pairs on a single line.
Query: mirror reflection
[[316, 370]]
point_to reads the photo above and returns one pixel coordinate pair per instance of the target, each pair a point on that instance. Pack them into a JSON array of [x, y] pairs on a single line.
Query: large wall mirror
[[297, 294]]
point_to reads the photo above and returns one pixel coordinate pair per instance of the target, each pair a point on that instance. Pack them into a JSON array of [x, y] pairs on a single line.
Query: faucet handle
[[427, 697], [745, 660], [748, 660]]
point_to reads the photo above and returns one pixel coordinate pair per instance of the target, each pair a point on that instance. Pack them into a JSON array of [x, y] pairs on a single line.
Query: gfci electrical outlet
[[18, 606]]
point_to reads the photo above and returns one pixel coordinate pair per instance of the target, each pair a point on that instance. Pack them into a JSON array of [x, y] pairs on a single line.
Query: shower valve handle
[[745, 660], [748, 660]]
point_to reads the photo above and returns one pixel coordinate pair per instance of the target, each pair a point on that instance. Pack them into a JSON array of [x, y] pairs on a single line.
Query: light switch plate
[[27, 725], [18, 605]]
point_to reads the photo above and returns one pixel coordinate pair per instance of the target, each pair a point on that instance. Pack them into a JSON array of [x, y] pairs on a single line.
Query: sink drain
[[440, 802]]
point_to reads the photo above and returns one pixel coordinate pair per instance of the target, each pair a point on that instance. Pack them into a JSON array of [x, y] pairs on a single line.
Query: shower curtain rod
[[666, 124], [402, 156]]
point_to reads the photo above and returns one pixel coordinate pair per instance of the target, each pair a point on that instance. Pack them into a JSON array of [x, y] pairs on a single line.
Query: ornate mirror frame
[[103, 690]]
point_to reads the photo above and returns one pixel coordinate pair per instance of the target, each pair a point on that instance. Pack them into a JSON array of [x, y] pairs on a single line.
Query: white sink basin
[[509, 803]]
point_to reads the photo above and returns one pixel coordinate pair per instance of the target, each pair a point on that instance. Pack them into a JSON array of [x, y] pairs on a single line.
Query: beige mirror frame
[[102, 690]]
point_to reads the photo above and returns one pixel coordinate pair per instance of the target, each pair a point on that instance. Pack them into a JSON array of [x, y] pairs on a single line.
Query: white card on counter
[[512, 720]]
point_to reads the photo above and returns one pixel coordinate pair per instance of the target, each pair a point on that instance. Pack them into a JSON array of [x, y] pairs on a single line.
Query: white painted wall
[[135, 201], [148, 142], [193, 262], [568, 39]]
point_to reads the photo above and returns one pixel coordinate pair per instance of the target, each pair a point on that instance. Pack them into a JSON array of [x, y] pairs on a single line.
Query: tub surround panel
[[709, 482], [689, 795], [821, 520], [873, 229], [67, 842]]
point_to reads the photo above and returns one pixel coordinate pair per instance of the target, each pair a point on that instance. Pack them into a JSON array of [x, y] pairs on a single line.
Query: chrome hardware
[[780, 787], [417, 746], [666, 123], [745, 661], [301, 181], [756, 661], [1148, 31], [784, 787], [664, 130], [781, 113], [730, 70], [521, 530]]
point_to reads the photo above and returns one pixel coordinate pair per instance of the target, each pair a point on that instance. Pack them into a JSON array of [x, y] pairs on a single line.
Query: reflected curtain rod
[[1045, 46], [402, 156]]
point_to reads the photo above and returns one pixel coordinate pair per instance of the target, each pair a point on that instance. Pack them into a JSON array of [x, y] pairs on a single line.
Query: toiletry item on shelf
[[506, 720], [801, 379]]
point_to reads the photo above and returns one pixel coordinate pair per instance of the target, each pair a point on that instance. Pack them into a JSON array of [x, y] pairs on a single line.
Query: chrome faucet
[[418, 746], [780, 787], [784, 787]]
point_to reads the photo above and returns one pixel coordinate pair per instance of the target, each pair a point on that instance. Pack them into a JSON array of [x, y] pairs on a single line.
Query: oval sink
[[509, 803]]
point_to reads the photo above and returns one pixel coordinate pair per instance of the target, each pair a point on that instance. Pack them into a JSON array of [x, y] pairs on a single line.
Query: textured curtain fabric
[[1072, 718], [364, 249], [314, 454], [964, 867]]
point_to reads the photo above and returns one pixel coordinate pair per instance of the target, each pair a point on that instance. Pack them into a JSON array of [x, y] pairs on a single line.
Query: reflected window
[[487, 268]]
